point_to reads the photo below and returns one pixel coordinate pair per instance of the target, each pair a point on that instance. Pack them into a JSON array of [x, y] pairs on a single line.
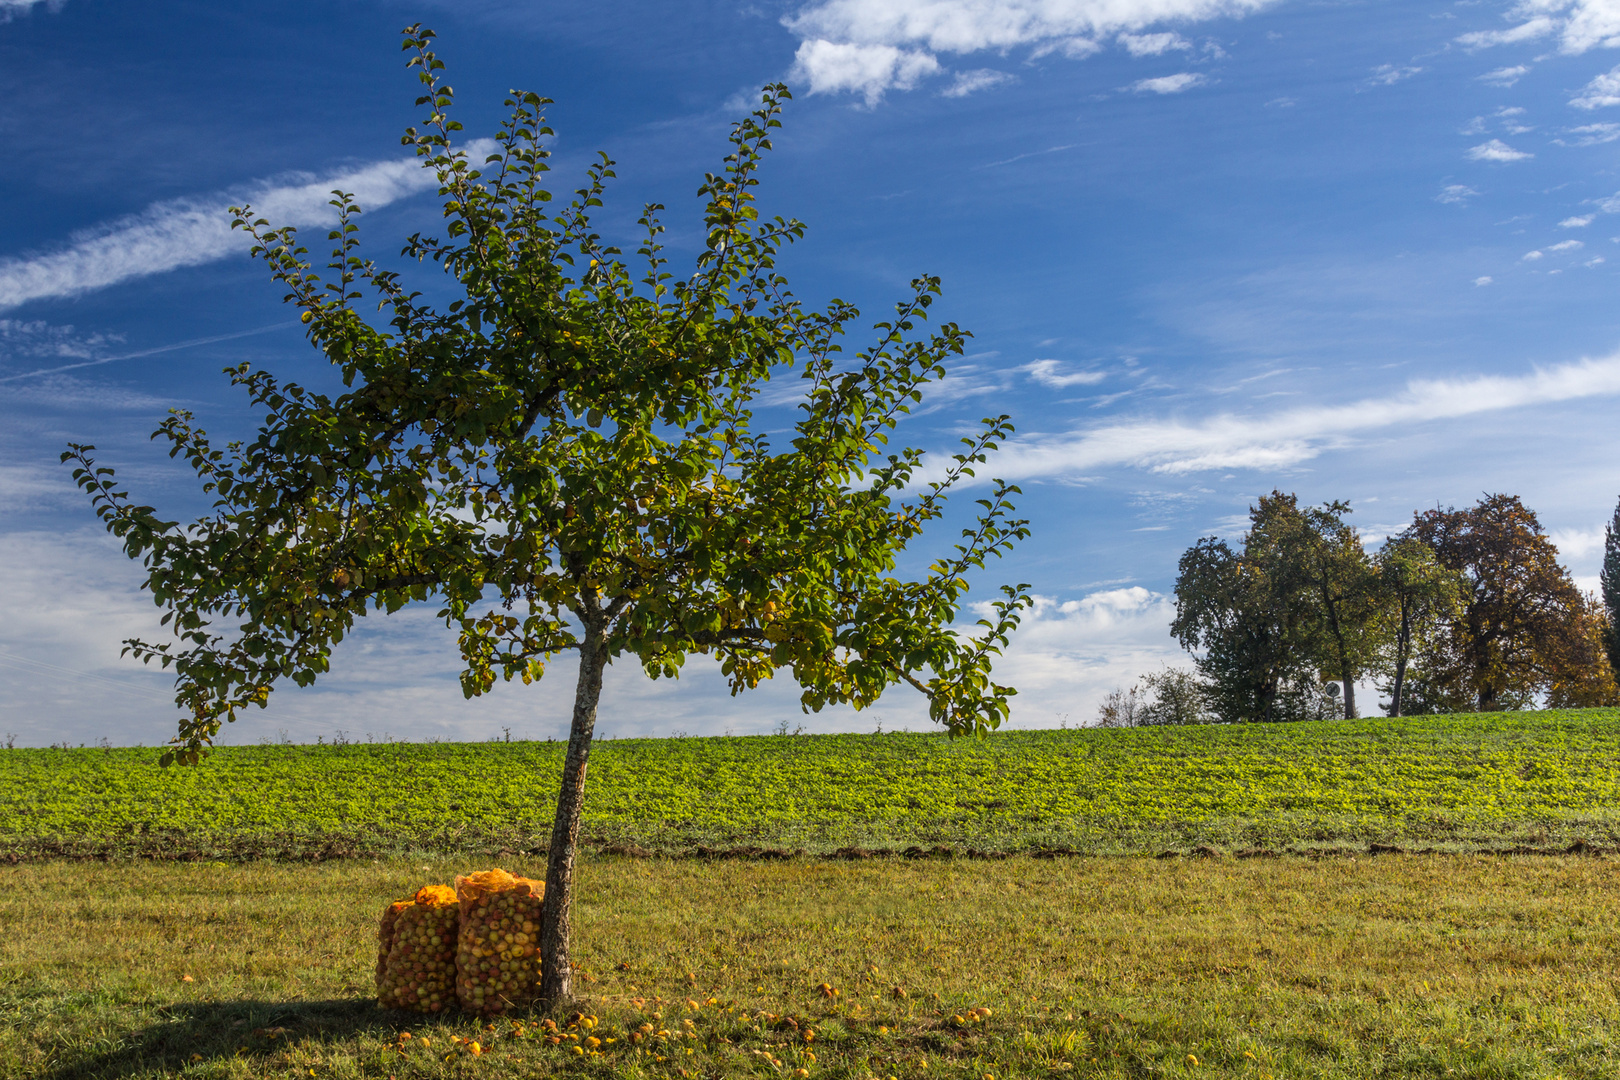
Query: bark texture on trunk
[[556, 972]]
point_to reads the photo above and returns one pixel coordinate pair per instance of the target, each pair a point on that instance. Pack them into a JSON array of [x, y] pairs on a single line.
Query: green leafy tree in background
[[1422, 597], [1346, 624], [1254, 615], [564, 458], [1301, 603]]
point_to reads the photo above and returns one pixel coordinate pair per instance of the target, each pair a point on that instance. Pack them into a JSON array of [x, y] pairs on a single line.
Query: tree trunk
[[1403, 648], [556, 972], [1347, 677]]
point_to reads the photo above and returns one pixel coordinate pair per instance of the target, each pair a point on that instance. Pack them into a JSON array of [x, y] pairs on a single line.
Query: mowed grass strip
[[1396, 966], [1500, 779]]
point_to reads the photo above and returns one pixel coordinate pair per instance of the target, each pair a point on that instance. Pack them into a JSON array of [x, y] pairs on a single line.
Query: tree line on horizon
[[1464, 610]]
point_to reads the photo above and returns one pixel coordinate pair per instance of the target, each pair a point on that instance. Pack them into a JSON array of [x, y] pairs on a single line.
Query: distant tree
[[1173, 697], [564, 458], [1584, 679], [1165, 698], [1256, 616], [1120, 708], [1525, 628], [1422, 596], [1609, 580], [1346, 625]]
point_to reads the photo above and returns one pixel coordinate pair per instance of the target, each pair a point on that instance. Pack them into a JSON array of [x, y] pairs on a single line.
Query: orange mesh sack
[[420, 973], [385, 936], [498, 951]]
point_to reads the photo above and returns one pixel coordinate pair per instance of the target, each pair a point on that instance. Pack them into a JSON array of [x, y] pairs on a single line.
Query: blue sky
[[1207, 248]]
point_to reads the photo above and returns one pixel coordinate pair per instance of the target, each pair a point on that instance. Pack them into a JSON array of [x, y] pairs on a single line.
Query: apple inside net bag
[[498, 952], [419, 971], [385, 938]]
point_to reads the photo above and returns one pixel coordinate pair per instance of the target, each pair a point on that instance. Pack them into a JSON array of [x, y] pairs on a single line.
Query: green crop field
[[1520, 781]]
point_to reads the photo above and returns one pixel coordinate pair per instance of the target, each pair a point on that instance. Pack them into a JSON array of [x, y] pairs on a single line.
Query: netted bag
[[498, 951], [385, 936], [420, 973]]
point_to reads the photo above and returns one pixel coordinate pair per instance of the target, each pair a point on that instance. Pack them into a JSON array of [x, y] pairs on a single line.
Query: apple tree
[[565, 458]]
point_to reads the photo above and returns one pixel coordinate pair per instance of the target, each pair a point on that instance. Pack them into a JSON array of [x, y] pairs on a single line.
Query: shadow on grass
[[192, 1033]]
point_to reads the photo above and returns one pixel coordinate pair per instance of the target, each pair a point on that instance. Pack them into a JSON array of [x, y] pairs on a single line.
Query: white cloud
[[865, 69], [1068, 655], [1526, 31], [968, 82], [1287, 438], [1390, 74], [10, 9], [1579, 25], [1051, 373], [1590, 23], [1075, 48], [1169, 84], [72, 597], [190, 232], [1476, 126], [840, 39], [1486, 280], [1504, 76], [1577, 543], [1591, 135], [1456, 194], [1597, 261], [1567, 245], [1577, 222], [1601, 91], [1496, 150], [1530, 256], [36, 339], [1153, 44]]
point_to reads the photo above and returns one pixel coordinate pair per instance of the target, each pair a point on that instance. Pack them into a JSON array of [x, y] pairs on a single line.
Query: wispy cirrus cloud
[[1053, 373], [1456, 194], [868, 47], [193, 231], [1169, 84], [1504, 77], [969, 82], [1590, 135], [1390, 74], [1290, 437], [1154, 44]]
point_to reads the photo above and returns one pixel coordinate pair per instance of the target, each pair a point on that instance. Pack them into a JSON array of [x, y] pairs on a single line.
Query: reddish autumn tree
[[1525, 628]]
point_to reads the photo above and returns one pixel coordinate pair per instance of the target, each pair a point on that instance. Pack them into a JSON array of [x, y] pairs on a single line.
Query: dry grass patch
[[1399, 966]]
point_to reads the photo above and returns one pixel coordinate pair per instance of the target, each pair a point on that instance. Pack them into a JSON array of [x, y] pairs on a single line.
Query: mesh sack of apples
[[416, 951], [498, 950]]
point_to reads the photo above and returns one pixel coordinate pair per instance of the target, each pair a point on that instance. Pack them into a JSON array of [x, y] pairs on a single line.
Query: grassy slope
[[1499, 780], [1388, 967]]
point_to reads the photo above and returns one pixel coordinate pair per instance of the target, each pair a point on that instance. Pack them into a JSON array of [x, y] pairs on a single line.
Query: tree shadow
[[192, 1033]]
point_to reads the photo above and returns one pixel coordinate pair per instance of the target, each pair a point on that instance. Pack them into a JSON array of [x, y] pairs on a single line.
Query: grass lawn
[[1389, 966]]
